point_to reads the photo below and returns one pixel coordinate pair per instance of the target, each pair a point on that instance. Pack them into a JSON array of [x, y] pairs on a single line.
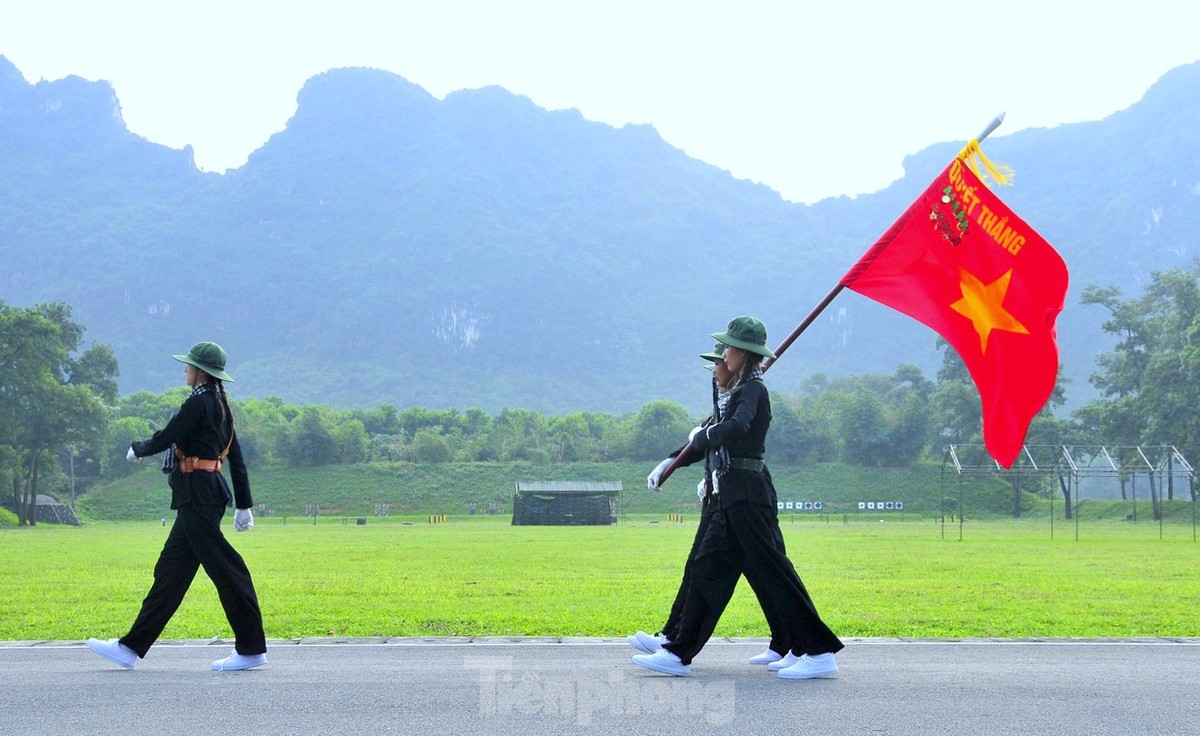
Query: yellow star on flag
[[917, 268], [983, 304]]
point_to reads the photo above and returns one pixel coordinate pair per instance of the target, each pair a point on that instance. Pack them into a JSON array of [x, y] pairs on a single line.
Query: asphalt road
[[572, 686]]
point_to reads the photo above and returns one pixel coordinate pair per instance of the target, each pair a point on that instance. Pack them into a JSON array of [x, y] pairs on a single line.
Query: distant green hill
[[390, 247]]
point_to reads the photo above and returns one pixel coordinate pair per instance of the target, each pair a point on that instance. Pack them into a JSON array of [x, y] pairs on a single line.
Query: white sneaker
[[663, 661], [237, 661], [787, 660], [114, 651], [811, 667], [643, 642], [766, 657]]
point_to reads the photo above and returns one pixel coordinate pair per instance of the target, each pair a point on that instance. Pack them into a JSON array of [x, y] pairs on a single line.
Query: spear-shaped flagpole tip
[[991, 126]]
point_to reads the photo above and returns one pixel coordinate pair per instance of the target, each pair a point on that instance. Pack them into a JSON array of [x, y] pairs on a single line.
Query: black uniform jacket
[[743, 433], [198, 430]]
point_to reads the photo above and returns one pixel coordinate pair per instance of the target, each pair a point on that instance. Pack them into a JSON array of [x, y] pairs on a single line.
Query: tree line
[[64, 428]]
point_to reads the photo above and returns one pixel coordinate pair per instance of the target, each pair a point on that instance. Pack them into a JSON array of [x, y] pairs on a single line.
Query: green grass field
[[446, 488], [477, 576]]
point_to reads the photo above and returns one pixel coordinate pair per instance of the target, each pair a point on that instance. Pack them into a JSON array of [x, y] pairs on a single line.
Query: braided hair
[[219, 387]]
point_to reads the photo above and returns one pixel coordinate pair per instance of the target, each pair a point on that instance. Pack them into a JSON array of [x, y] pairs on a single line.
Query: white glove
[[656, 474], [243, 520], [701, 489], [131, 457], [695, 431]]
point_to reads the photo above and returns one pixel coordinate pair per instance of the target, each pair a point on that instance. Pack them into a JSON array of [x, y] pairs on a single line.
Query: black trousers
[[741, 539], [674, 619], [195, 540]]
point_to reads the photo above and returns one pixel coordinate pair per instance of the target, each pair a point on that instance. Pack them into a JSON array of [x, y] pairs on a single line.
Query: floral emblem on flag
[[949, 217]]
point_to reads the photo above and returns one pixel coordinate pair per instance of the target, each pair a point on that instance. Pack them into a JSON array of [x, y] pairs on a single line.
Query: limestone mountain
[[391, 247]]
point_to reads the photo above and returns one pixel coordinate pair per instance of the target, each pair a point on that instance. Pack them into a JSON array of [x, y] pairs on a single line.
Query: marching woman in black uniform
[[640, 640], [199, 440], [741, 535], [651, 643]]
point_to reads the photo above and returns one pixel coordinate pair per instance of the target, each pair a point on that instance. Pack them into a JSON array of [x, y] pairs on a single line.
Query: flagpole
[[816, 311], [812, 316]]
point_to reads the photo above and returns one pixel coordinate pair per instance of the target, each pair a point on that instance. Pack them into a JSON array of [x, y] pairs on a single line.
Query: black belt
[[746, 463]]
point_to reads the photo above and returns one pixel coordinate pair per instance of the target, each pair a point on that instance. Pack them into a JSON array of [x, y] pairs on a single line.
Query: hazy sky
[[812, 99]]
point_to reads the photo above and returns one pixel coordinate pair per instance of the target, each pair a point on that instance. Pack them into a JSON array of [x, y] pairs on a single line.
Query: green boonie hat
[[208, 357], [715, 355], [746, 333]]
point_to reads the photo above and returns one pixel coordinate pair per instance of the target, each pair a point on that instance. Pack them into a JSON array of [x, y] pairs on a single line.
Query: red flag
[[961, 262]]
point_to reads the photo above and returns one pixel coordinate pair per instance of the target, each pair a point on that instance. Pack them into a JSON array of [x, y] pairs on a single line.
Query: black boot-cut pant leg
[[196, 541]]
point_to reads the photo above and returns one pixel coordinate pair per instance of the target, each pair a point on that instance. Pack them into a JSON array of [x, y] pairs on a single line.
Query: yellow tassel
[[1001, 174]]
